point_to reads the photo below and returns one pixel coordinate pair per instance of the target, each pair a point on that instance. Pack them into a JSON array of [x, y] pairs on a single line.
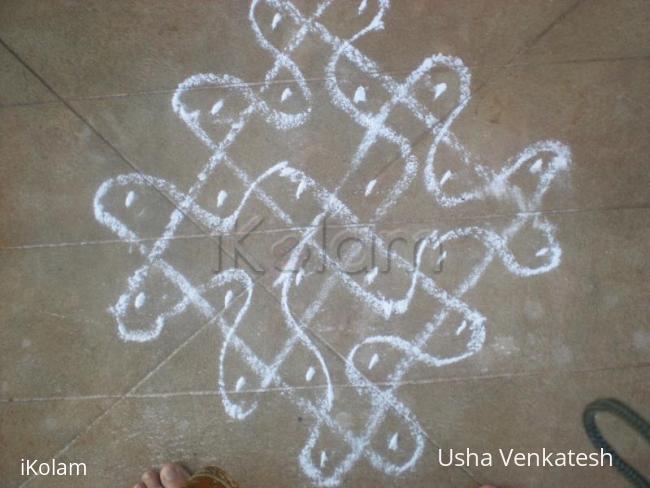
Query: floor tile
[[183, 208]]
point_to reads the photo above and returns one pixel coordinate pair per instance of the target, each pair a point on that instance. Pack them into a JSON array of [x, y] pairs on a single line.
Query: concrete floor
[[321, 261]]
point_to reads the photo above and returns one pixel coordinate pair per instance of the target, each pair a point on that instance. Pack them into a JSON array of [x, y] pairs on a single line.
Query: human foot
[[170, 476]]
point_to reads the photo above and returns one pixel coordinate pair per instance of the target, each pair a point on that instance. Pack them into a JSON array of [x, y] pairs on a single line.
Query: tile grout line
[[615, 59], [161, 91], [277, 230], [558, 20], [417, 382]]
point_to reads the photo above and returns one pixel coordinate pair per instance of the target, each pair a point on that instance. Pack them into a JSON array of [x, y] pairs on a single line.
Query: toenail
[[150, 478], [170, 473]]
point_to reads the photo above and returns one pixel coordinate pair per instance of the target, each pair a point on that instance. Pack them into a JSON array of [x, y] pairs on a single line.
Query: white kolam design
[[118, 200]]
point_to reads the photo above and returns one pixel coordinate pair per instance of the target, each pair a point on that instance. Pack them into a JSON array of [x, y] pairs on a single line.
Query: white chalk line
[[478, 274], [177, 216], [495, 244]]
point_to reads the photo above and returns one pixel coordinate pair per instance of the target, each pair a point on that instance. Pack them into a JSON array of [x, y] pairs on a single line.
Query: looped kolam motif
[[544, 161]]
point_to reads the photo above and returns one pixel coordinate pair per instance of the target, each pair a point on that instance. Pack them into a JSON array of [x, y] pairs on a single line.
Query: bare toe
[[151, 479], [174, 476], [139, 485]]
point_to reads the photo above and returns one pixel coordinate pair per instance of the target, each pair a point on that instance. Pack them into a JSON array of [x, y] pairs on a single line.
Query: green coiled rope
[[630, 417]]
